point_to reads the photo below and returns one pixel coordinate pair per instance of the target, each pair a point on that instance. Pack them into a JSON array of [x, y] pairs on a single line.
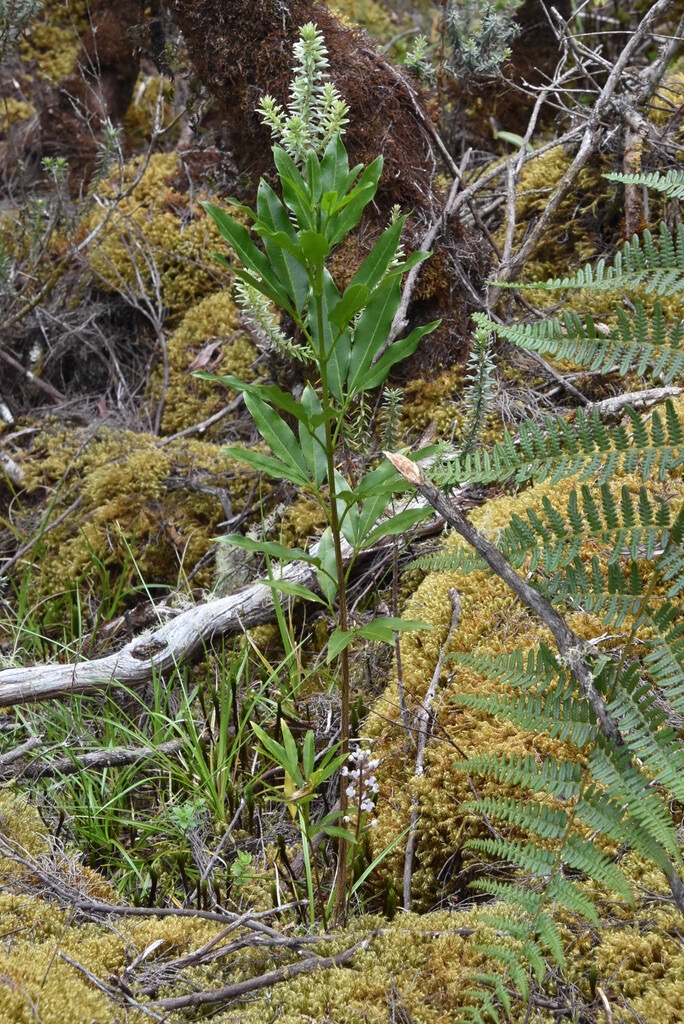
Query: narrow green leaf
[[270, 548], [308, 754], [395, 353], [339, 640], [267, 464], [354, 299], [238, 237], [327, 573], [384, 628], [377, 262], [312, 436], [350, 208], [295, 193], [275, 432], [371, 332], [400, 523], [292, 589]]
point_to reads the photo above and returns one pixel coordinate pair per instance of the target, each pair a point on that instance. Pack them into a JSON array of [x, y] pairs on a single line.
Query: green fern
[[671, 184], [609, 549], [652, 262], [642, 342], [556, 449]]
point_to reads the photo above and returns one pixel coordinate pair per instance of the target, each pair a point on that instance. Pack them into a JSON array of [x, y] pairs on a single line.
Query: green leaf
[[314, 246], [267, 464], [335, 174], [313, 176], [337, 832], [339, 640], [292, 589], [371, 332], [238, 237], [270, 393], [350, 209], [308, 754], [271, 746], [327, 574], [377, 262], [354, 299], [275, 432], [291, 753], [312, 437], [295, 193], [395, 353], [270, 548], [400, 523], [384, 628]]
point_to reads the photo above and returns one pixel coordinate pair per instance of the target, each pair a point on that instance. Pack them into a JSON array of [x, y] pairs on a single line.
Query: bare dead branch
[[112, 757]]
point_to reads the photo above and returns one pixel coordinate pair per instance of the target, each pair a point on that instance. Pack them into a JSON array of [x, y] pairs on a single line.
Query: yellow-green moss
[[53, 47], [366, 13], [133, 520], [211, 324], [151, 94], [13, 110], [155, 245]]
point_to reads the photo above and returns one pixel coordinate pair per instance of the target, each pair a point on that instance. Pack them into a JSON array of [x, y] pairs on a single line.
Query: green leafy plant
[[340, 337], [616, 708]]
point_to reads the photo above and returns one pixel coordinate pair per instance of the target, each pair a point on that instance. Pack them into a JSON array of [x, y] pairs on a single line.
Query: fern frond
[[642, 722], [457, 558], [547, 822], [583, 855], [562, 779], [671, 183], [665, 660], [556, 449], [655, 263], [560, 714], [632, 525], [642, 342], [613, 769]]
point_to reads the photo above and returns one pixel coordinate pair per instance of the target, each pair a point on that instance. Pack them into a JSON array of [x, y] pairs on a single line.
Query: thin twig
[[242, 988]]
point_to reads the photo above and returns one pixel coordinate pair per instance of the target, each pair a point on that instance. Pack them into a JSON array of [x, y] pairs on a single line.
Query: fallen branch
[[112, 757], [173, 643]]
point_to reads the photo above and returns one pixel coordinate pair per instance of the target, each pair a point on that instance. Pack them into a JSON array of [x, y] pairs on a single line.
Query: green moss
[[54, 48], [153, 245], [12, 111], [140, 120], [137, 518], [366, 13], [209, 328]]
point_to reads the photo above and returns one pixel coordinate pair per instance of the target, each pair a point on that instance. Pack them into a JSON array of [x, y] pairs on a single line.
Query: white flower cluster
[[316, 111], [362, 782], [263, 321]]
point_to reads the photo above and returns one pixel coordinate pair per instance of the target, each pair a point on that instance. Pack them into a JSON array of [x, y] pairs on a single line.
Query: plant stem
[[330, 437]]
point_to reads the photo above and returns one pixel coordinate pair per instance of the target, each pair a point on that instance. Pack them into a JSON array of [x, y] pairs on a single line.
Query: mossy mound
[[208, 337], [147, 513], [154, 247]]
